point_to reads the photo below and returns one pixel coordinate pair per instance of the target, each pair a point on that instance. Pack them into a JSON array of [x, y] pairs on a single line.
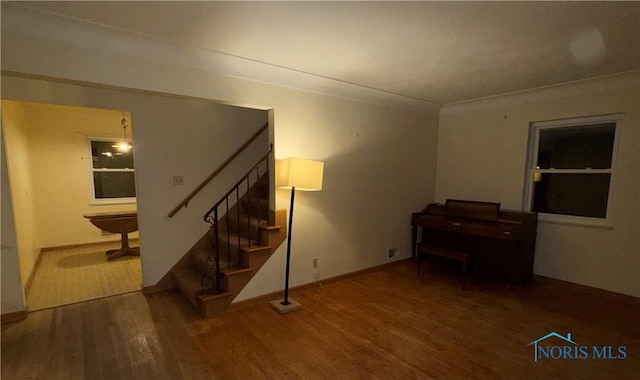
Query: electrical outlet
[[392, 253], [315, 265], [178, 180]]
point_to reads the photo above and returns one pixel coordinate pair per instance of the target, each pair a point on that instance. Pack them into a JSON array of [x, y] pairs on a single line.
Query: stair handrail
[[204, 183]]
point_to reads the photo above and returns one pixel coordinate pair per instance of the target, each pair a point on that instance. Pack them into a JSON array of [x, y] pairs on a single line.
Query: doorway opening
[[53, 176]]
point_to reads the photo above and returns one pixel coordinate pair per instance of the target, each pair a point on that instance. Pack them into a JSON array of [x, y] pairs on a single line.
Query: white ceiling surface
[[434, 53]]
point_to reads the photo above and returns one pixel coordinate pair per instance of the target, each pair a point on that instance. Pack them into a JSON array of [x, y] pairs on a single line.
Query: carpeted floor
[[67, 276]]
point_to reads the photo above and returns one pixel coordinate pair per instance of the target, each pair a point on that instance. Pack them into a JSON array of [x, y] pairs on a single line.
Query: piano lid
[[472, 209]]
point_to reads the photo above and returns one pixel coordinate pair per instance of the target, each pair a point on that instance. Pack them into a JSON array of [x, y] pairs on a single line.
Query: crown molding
[[561, 90], [21, 20]]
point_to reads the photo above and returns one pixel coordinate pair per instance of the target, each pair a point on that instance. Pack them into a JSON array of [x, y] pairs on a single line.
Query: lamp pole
[[286, 302]]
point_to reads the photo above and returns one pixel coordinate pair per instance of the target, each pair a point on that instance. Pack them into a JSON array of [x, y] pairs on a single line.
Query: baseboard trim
[[154, 289], [15, 316], [587, 289], [266, 298], [84, 245], [34, 268]]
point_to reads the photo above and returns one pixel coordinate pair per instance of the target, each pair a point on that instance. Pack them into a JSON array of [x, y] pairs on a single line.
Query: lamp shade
[[302, 174]]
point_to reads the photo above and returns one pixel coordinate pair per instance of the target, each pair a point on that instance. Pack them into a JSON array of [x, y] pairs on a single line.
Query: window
[[111, 172], [571, 169]]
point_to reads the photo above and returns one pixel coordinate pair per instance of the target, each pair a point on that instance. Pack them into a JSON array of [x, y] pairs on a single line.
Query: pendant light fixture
[[124, 146]]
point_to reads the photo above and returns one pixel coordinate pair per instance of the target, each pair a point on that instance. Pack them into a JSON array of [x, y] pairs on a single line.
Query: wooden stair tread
[[200, 258], [256, 248], [188, 280], [187, 274], [235, 271], [204, 297], [232, 240]]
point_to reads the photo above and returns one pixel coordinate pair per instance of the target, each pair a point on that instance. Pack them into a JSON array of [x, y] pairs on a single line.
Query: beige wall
[[482, 148], [48, 173]]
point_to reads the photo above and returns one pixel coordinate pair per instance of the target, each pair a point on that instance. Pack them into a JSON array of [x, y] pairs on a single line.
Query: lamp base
[[278, 306]]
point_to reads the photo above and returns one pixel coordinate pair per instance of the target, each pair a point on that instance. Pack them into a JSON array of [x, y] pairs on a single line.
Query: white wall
[[188, 138], [379, 167], [482, 149], [380, 161]]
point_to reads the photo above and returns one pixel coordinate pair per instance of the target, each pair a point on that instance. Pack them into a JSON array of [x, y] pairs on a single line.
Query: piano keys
[[501, 243]]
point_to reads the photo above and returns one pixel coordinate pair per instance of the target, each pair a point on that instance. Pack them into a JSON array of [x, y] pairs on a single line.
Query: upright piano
[[502, 243]]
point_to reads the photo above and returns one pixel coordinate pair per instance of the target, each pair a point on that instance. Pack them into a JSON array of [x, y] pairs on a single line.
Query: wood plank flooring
[[387, 324]]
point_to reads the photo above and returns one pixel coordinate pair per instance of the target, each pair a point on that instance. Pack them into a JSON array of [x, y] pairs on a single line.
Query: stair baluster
[[211, 276], [214, 223]]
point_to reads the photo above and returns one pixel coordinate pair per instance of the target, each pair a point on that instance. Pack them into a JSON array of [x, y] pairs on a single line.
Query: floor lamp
[[295, 174]]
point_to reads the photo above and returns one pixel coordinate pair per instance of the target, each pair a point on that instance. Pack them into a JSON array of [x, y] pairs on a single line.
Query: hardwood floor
[[387, 324]]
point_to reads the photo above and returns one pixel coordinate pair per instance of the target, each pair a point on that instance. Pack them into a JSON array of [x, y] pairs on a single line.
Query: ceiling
[[434, 52]]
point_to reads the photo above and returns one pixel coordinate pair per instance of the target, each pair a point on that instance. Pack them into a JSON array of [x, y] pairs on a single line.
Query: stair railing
[[211, 281]]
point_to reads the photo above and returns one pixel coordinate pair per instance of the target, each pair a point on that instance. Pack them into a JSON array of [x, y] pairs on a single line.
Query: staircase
[[243, 234], [248, 233]]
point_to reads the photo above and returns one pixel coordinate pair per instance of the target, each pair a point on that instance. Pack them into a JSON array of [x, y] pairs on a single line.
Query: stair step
[[249, 253], [245, 220], [269, 234], [255, 207], [200, 259], [188, 280], [201, 256], [235, 279], [236, 271], [213, 296], [258, 255], [214, 303], [246, 225], [231, 252], [260, 188], [229, 242]]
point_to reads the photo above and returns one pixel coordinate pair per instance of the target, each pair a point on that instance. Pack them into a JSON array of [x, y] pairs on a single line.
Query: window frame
[[92, 191], [531, 169]]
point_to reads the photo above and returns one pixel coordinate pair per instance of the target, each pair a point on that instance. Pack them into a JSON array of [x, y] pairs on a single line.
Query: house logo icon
[[552, 334], [566, 349]]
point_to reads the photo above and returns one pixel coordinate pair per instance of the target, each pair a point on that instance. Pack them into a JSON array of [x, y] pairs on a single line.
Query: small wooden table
[[118, 223]]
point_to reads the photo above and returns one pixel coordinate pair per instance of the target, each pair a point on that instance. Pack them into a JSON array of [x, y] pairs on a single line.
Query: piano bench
[[461, 257]]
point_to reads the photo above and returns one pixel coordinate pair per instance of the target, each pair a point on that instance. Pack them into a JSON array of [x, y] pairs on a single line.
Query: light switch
[[178, 180]]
